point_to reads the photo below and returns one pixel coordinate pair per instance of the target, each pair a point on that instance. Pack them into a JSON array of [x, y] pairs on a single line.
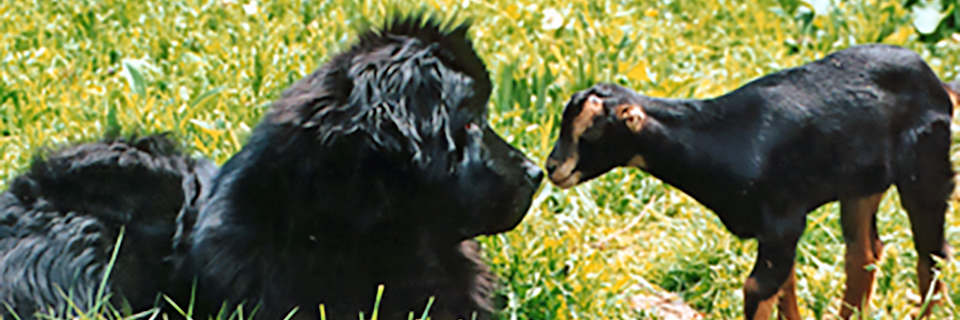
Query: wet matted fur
[[378, 168], [61, 220]]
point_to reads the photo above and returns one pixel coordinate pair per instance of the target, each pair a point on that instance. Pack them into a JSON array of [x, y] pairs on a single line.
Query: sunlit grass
[[206, 70]]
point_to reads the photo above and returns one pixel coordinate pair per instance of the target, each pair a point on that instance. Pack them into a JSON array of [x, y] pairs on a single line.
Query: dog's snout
[[533, 171]]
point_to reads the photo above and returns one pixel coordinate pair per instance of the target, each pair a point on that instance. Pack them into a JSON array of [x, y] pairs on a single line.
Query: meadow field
[[206, 70]]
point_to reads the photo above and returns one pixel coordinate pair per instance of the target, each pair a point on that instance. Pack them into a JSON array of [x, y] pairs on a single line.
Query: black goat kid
[[845, 128]]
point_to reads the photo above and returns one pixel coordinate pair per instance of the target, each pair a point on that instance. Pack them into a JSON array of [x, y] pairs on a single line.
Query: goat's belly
[[742, 214]]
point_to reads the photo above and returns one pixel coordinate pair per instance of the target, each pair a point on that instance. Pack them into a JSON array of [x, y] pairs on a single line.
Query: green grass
[[207, 70]]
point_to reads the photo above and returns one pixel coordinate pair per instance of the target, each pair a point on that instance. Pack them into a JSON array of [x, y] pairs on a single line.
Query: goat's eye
[[593, 133], [471, 126], [594, 99]]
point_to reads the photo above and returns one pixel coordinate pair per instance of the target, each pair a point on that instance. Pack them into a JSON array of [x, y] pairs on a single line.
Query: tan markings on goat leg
[[765, 307], [592, 107], [926, 278], [637, 162], [856, 218], [877, 246], [954, 96], [787, 306]]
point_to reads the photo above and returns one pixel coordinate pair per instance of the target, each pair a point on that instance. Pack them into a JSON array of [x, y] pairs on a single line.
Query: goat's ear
[[632, 115]]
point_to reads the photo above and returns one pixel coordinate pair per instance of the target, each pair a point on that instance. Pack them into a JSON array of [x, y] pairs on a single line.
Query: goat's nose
[[551, 166], [533, 171]]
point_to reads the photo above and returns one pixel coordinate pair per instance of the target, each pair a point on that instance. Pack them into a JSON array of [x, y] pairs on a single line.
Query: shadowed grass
[[207, 70]]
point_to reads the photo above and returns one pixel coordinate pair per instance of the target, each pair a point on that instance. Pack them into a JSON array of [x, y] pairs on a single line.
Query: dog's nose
[[533, 171]]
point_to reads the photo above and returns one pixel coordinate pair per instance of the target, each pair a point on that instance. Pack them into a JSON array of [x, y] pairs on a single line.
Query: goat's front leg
[[787, 306], [772, 281]]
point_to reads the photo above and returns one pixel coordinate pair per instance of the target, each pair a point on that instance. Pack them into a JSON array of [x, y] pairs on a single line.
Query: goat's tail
[[953, 90]]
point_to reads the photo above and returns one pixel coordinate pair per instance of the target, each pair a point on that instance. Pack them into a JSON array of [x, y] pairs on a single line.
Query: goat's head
[[595, 133]]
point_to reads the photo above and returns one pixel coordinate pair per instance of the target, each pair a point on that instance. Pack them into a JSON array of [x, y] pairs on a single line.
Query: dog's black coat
[[378, 168], [60, 222]]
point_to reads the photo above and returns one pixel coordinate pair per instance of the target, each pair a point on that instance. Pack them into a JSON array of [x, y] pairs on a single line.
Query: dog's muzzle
[[534, 173]]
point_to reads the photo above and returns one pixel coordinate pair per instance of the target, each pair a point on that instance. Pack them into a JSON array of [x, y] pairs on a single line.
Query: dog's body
[[60, 222], [377, 168], [845, 128]]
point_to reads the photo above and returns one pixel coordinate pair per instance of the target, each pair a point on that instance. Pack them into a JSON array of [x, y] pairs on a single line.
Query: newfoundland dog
[[61, 220], [378, 168]]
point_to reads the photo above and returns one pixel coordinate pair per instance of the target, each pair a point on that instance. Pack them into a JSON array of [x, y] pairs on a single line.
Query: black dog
[[845, 128], [378, 168], [60, 222]]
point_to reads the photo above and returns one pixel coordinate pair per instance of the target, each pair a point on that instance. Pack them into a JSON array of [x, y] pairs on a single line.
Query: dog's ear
[[26, 189], [632, 115]]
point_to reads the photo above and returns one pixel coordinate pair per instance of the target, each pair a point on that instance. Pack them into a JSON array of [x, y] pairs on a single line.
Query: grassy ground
[[207, 69]]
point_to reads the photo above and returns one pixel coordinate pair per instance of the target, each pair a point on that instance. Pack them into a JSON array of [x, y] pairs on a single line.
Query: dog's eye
[[471, 129], [460, 138]]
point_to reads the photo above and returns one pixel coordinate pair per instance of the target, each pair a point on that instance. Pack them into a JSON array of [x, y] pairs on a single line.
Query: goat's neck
[[699, 146]]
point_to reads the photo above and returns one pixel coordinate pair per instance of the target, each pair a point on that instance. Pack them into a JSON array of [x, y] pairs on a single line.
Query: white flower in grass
[[552, 19], [251, 8]]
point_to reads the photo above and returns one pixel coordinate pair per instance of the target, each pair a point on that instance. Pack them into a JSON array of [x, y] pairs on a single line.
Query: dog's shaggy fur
[[378, 168], [60, 222]]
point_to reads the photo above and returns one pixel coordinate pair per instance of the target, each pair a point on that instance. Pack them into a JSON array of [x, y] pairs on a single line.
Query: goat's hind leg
[[925, 183], [858, 220]]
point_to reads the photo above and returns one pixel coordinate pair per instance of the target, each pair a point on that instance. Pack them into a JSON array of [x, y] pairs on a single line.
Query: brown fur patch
[[637, 162], [856, 219], [564, 177], [632, 115], [787, 305], [592, 107], [952, 92], [750, 285], [764, 308]]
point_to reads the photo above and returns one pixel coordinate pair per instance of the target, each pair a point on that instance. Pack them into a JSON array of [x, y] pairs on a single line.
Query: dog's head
[[406, 108], [595, 133]]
